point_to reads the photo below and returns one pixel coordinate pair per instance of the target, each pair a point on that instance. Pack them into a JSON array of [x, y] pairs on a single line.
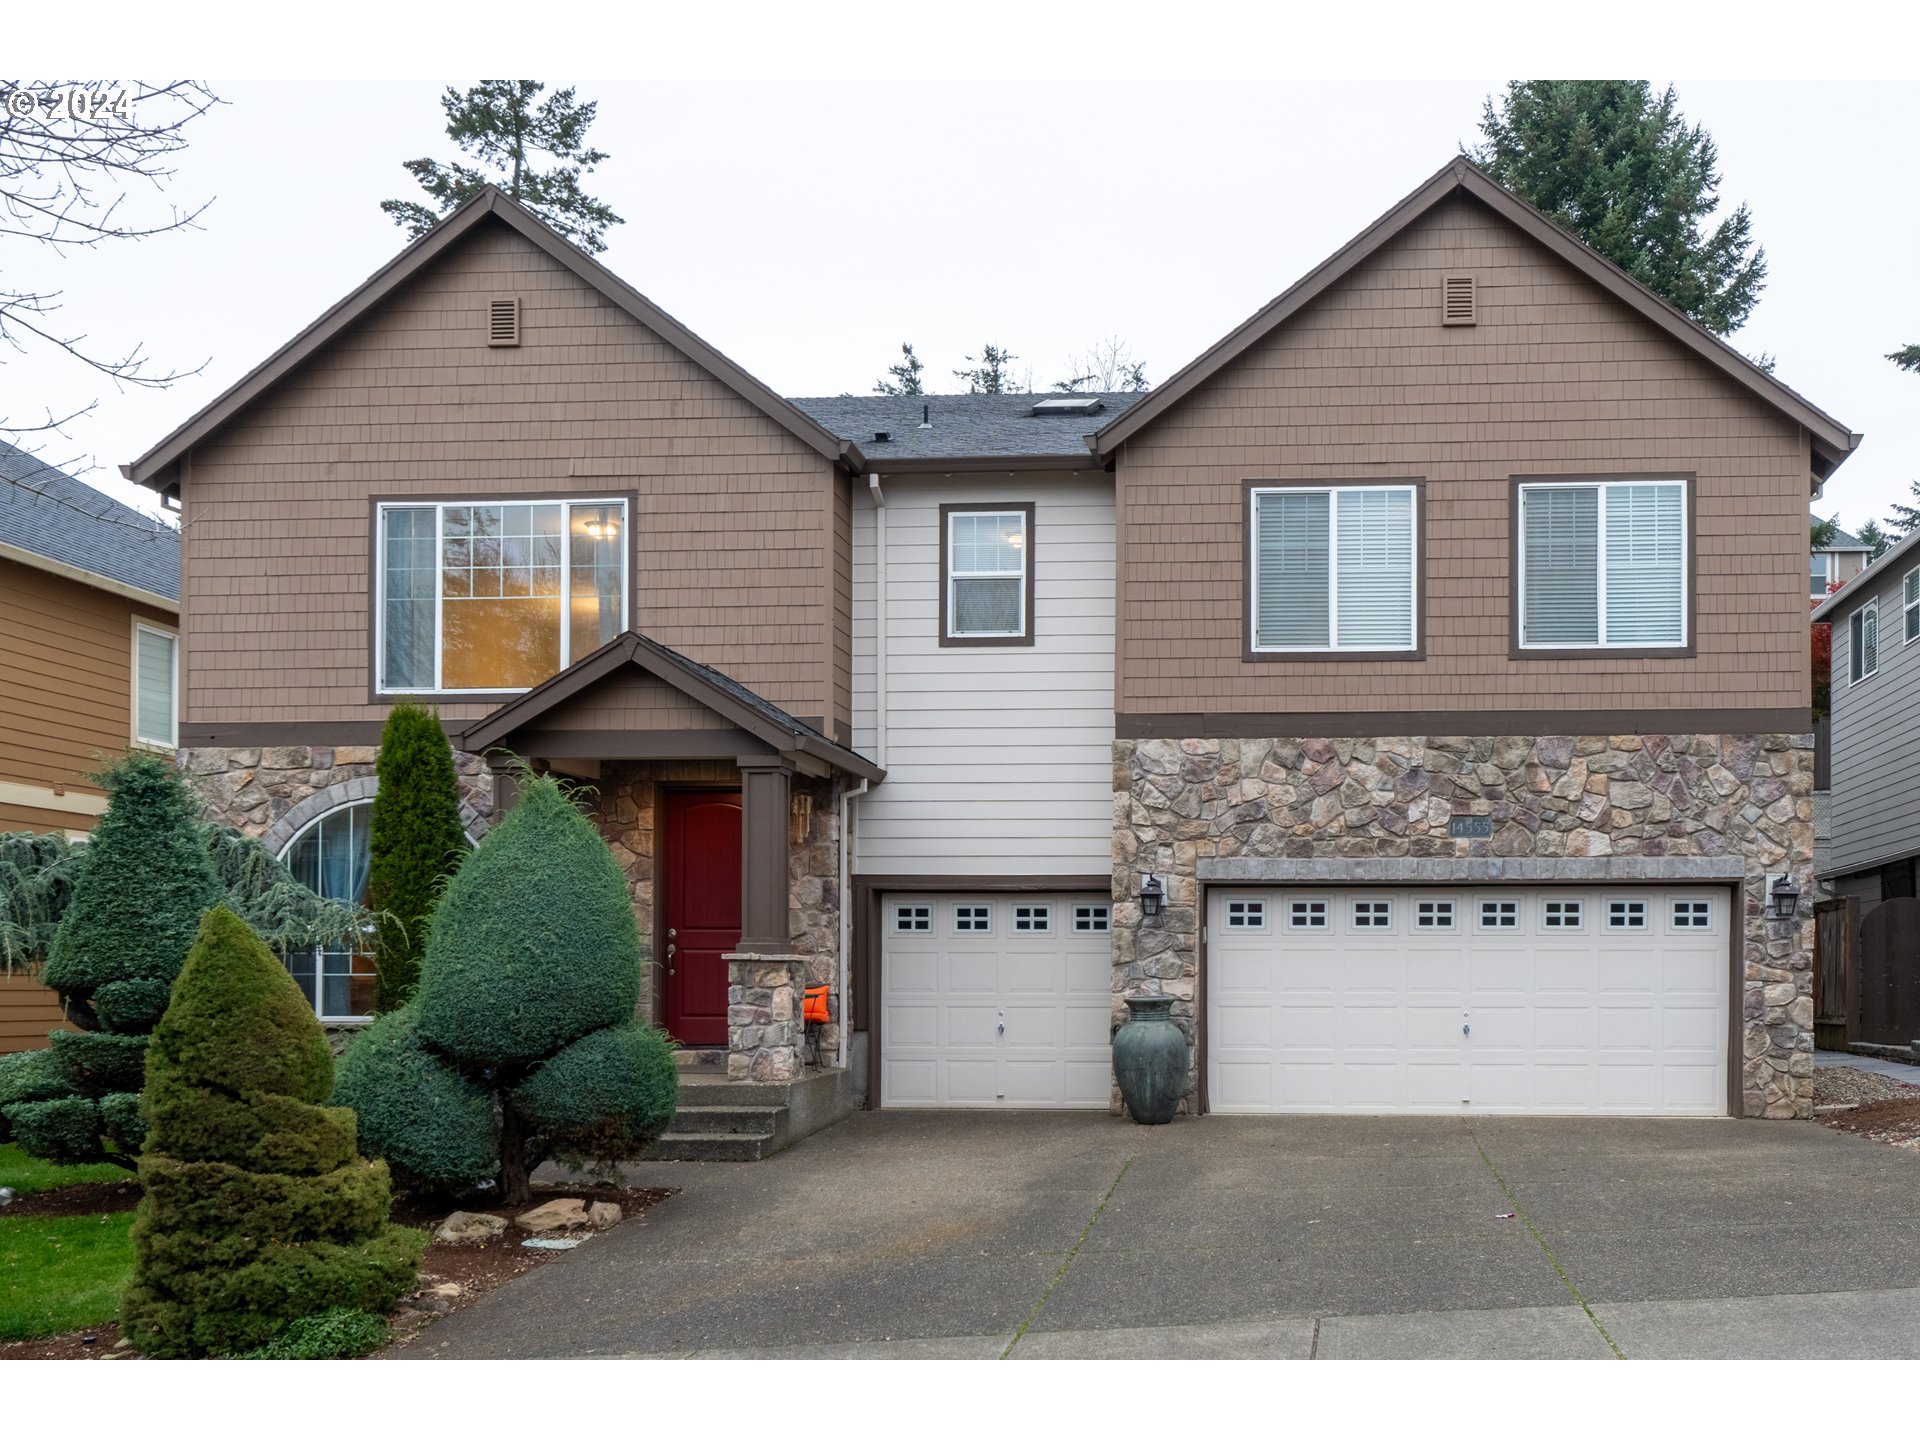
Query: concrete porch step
[[727, 1120], [675, 1145], [722, 1119]]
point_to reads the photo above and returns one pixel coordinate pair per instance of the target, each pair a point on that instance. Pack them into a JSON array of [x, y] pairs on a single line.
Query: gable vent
[[1456, 303], [503, 321]]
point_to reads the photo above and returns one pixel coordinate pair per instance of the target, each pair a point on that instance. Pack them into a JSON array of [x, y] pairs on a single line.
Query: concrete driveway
[[1035, 1236]]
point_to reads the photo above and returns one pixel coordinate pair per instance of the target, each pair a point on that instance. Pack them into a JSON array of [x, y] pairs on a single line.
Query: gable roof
[[57, 523], [158, 468], [720, 693], [964, 427], [1832, 441], [1842, 542]]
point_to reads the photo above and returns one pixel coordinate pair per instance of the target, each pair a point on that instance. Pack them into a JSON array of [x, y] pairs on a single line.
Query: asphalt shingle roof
[[1843, 541], [47, 511], [960, 426]]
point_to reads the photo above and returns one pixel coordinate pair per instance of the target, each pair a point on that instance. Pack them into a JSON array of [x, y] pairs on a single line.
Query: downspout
[[848, 795]]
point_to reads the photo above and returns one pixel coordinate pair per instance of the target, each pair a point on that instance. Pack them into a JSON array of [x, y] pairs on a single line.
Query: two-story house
[[1832, 565], [89, 615], [1413, 686]]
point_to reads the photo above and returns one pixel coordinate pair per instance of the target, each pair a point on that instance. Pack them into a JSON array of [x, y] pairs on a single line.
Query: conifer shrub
[[415, 841], [526, 997], [336, 1334], [257, 1211]]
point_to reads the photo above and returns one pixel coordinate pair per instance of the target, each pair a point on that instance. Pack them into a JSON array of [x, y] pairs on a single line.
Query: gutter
[[65, 571]]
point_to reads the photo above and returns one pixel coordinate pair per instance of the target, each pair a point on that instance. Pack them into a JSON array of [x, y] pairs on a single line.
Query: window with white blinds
[[153, 686], [1603, 565], [1863, 641], [1334, 568]]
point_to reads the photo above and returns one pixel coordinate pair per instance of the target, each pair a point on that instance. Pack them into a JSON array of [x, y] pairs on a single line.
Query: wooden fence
[[1884, 996]]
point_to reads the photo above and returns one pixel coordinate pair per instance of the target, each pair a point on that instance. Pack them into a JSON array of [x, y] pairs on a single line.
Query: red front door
[[700, 851]]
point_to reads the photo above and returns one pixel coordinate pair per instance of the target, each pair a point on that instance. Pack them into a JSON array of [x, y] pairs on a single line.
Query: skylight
[[1068, 405]]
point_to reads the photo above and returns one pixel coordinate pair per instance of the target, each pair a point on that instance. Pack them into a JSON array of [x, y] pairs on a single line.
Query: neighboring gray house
[[1874, 742], [1836, 564]]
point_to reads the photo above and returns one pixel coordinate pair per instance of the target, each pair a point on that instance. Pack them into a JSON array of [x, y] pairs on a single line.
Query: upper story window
[[156, 686], [1863, 641], [986, 576], [1603, 565], [490, 597], [1910, 606], [1820, 575], [1332, 569]]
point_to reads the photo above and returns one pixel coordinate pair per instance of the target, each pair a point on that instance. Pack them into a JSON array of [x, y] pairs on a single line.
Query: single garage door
[[1498, 1001], [995, 1001]]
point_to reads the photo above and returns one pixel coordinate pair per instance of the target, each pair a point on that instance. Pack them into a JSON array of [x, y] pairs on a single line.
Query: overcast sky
[[807, 227]]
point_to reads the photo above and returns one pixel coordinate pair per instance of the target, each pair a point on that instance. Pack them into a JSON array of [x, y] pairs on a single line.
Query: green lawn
[[58, 1273]]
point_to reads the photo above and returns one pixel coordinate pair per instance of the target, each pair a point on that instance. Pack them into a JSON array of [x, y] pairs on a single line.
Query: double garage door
[[1508, 1000], [1499, 1001]]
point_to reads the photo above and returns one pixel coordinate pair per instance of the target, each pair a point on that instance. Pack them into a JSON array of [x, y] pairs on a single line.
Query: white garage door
[[1497, 1001], [995, 1001]]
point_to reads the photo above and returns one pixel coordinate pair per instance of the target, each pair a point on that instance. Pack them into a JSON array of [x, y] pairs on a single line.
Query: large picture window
[[1603, 565], [492, 597], [330, 858], [986, 578], [1334, 569]]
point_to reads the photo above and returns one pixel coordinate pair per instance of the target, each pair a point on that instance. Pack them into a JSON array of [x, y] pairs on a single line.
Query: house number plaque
[[1470, 827]]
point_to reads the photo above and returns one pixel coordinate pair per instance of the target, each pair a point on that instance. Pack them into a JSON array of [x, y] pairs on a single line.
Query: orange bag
[[814, 1010]]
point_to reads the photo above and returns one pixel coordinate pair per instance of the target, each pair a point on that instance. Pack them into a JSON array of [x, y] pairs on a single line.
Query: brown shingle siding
[[1555, 378]]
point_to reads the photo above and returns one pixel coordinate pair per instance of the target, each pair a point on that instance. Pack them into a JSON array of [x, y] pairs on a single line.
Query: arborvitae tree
[[520, 1043], [145, 879], [990, 374], [415, 842], [1620, 167], [906, 375], [256, 1210], [499, 124]]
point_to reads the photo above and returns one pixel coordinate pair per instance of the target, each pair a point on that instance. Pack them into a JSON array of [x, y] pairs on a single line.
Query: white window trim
[[953, 576], [172, 742], [378, 583], [1826, 561], [1602, 644], [1853, 649], [1333, 572], [1910, 580]]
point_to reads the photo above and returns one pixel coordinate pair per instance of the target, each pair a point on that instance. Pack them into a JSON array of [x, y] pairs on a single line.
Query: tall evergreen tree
[[415, 841], [503, 125], [906, 375], [1875, 539], [990, 373], [1904, 517], [1620, 167]]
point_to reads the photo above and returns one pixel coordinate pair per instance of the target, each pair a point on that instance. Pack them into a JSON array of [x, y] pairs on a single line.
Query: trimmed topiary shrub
[[256, 1210], [526, 997], [415, 842]]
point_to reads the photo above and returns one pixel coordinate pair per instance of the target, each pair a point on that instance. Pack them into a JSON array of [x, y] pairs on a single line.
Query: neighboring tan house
[[89, 617], [1429, 644], [1833, 565]]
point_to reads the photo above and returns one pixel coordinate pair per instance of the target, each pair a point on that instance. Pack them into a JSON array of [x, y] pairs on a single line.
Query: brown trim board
[[864, 962], [981, 507], [1691, 636], [1266, 725], [1251, 656]]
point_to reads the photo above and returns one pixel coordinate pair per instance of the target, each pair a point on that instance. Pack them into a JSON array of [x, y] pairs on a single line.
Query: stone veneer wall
[[1650, 807], [274, 792]]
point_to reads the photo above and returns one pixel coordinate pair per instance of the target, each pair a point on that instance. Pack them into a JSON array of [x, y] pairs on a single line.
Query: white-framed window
[[1033, 919], [1333, 569], [1246, 914], [1626, 914], [1562, 914], [1433, 915], [988, 553], [1499, 914], [1306, 915], [972, 919], [1372, 914], [1910, 607], [1692, 914], [485, 597], [912, 919], [1821, 574], [1603, 565], [1863, 642], [329, 856], [156, 686], [1092, 919]]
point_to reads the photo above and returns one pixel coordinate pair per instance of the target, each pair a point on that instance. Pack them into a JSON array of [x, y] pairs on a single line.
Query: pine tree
[[1905, 517], [989, 375], [500, 124], [1621, 169], [906, 375], [1875, 539], [256, 1211], [415, 841]]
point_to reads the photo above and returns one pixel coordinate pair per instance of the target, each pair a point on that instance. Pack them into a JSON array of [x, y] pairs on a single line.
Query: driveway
[[1044, 1235]]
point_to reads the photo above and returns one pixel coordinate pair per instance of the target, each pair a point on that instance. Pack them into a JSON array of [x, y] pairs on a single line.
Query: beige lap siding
[[734, 524]]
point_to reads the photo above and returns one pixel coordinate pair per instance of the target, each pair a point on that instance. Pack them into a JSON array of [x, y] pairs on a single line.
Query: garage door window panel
[[1306, 915], [972, 919]]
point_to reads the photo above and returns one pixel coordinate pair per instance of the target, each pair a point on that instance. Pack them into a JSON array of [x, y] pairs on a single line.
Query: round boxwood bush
[[427, 1118], [613, 1089]]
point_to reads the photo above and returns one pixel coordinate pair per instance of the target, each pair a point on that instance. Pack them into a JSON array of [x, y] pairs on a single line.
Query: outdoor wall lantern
[[1151, 895], [1783, 898]]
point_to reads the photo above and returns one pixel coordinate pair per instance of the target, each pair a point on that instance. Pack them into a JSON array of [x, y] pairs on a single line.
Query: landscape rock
[[563, 1214], [604, 1214], [466, 1226]]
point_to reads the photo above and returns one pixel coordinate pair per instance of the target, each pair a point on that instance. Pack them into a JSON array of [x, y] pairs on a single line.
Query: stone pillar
[[766, 799], [765, 1031]]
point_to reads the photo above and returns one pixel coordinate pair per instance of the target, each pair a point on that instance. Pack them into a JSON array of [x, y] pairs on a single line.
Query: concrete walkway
[[1036, 1236], [1873, 1065]]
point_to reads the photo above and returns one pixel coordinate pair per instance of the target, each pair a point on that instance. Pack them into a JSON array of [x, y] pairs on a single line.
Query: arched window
[[329, 857]]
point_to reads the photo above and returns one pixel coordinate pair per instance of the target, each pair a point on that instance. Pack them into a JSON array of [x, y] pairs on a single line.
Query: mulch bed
[[461, 1273], [1891, 1122]]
